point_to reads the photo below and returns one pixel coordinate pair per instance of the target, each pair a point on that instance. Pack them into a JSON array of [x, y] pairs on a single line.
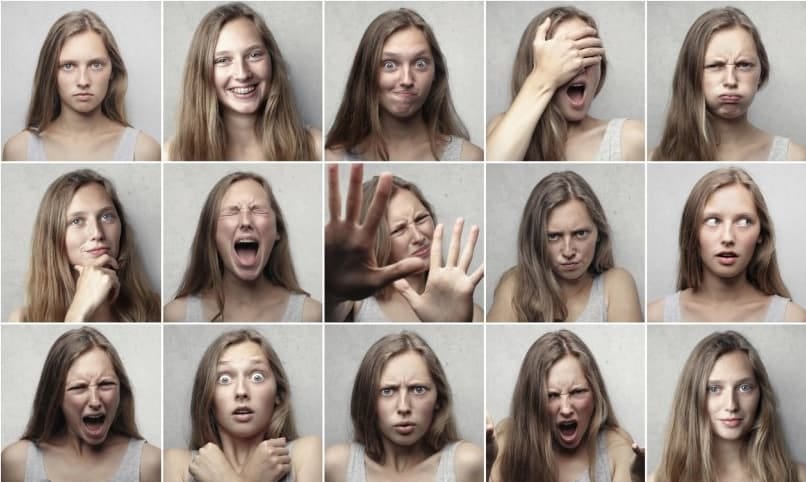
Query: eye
[[398, 229], [746, 387], [714, 66], [221, 61], [75, 221], [553, 236], [389, 65], [107, 384], [77, 388], [108, 217], [233, 211], [423, 218], [387, 391], [67, 67], [262, 210], [582, 233], [744, 222], [97, 65], [712, 221], [224, 379], [715, 389], [579, 392], [553, 396], [421, 64], [256, 54], [258, 377], [419, 390], [745, 66]]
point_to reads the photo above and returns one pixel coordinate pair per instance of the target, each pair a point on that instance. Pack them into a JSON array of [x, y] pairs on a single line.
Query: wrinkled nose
[[403, 405], [94, 401], [730, 79], [565, 406]]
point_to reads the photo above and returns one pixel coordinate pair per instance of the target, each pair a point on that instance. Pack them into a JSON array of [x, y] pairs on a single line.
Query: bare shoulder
[[494, 123], [794, 312], [618, 442], [150, 462], [176, 465], [618, 278], [176, 310], [13, 460], [166, 149], [308, 445], [335, 154], [471, 152], [632, 140], [502, 299], [468, 462], [16, 315], [16, 148], [797, 152], [311, 310], [307, 459], [654, 311], [146, 148], [336, 459], [316, 137]]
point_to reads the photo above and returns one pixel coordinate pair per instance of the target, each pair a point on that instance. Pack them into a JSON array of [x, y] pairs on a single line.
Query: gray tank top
[[775, 312], [610, 148], [289, 477], [596, 309], [124, 152], [293, 310], [779, 151], [357, 470], [601, 471], [129, 470], [452, 152], [370, 311]]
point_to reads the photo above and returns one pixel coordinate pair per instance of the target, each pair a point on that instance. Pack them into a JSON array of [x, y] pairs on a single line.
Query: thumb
[[405, 289], [542, 30]]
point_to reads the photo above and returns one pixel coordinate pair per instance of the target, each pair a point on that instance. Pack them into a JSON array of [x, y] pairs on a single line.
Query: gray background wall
[[25, 348], [776, 108], [619, 187], [299, 348], [619, 351], [621, 28], [460, 351], [670, 185], [781, 350], [453, 190], [297, 188], [138, 188], [459, 28], [136, 27], [297, 29]]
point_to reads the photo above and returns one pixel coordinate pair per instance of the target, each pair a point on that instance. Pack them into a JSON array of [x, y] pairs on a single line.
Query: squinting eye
[[221, 61], [714, 67], [745, 66], [554, 396], [224, 379], [258, 377]]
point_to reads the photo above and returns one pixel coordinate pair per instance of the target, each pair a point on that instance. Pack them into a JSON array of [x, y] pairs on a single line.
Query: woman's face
[[91, 396], [406, 73], [575, 97], [731, 73], [730, 231], [733, 396], [93, 227], [411, 227], [245, 392], [570, 402], [241, 67], [84, 72], [246, 230], [571, 237], [406, 400]]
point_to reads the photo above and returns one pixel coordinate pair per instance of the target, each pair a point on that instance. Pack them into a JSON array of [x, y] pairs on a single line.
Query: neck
[[396, 131], [403, 458], [584, 125], [80, 123], [238, 450], [240, 129], [732, 131], [417, 282], [240, 291], [78, 446], [724, 290], [103, 313], [572, 288], [727, 455]]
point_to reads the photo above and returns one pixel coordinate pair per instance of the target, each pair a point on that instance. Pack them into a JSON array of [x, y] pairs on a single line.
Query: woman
[[722, 64], [82, 423], [242, 422], [565, 269], [240, 266], [724, 423], [84, 264], [561, 425], [728, 269], [403, 424], [237, 102], [397, 103], [397, 229], [77, 110], [559, 68]]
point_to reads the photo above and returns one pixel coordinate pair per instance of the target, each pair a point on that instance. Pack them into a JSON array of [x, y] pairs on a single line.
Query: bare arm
[[622, 296], [468, 463], [626, 463], [311, 310], [794, 312], [654, 311], [150, 468], [13, 460], [306, 459], [632, 141], [146, 148], [316, 137], [16, 148], [336, 458], [471, 152]]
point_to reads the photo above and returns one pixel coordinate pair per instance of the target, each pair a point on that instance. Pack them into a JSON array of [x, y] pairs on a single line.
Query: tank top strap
[[446, 471], [128, 141], [610, 148], [193, 309], [779, 151], [294, 307], [356, 471], [453, 149], [602, 469], [36, 148], [130, 465], [370, 311], [777, 309], [596, 308], [671, 307], [35, 465]]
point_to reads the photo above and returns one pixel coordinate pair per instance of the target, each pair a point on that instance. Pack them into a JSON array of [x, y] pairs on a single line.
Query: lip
[[84, 94], [98, 252], [580, 103], [730, 98], [406, 428], [568, 439], [243, 414], [731, 422], [246, 91], [570, 266], [727, 258], [98, 432], [423, 252]]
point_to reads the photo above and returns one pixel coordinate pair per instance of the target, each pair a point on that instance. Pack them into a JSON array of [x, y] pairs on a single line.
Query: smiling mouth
[[243, 91]]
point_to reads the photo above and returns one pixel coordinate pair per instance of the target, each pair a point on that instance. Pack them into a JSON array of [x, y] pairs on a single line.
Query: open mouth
[[245, 92], [94, 422], [568, 429], [243, 411], [576, 93], [246, 251]]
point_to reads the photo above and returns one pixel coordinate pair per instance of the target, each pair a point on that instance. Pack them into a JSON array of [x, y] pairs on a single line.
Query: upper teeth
[[243, 90]]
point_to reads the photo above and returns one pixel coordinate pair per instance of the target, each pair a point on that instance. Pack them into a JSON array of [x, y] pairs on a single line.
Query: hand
[[210, 465], [448, 294], [96, 284], [638, 464], [492, 443], [564, 56], [270, 462], [351, 273]]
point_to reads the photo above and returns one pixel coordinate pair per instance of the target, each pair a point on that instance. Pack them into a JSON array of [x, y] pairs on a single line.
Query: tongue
[[94, 424], [246, 256], [576, 93]]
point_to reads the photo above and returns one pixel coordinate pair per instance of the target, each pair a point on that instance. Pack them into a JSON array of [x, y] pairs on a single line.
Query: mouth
[[569, 266], [94, 423], [568, 430], [246, 250], [730, 98], [243, 414], [405, 428], [244, 92], [97, 252], [727, 258], [576, 94], [731, 422], [423, 252]]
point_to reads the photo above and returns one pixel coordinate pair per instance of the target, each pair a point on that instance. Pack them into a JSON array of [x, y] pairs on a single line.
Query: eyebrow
[[421, 53], [750, 378], [96, 59], [84, 213], [251, 47], [252, 361], [714, 214]]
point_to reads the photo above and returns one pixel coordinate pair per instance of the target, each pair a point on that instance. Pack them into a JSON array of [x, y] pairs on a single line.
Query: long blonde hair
[[687, 454], [205, 270], [762, 272], [51, 279], [689, 134], [548, 139], [528, 454], [201, 135], [358, 119], [45, 105], [537, 294]]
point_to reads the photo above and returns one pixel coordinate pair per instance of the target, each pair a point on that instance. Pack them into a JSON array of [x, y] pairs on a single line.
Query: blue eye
[[389, 65], [258, 377], [745, 387], [224, 379], [421, 64], [420, 390], [714, 389], [387, 391], [712, 221], [68, 66]]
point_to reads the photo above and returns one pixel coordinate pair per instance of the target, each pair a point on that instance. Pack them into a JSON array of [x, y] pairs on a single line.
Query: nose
[[242, 71], [245, 218], [733, 402], [565, 406], [83, 77], [241, 389], [568, 249], [403, 406], [728, 238], [94, 401], [406, 76], [416, 235], [94, 230], [730, 76]]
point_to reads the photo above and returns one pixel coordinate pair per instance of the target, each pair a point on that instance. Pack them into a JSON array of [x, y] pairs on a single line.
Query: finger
[[592, 52], [456, 239], [401, 269], [587, 42], [470, 247], [282, 460], [542, 30], [405, 289], [436, 247], [379, 201], [581, 33], [354, 193], [333, 192], [477, 275], [276, 442], [589, 61]]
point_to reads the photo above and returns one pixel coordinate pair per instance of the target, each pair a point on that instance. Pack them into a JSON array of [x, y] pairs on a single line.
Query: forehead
[[732, 366], [88, 197], [403, 202], [87, 44], [406, 40], [238, 34], [569, 25], [245, 190], [569, 215], [735, 197], [406, 365], [93, 362], [566, 371], [244, 351], [731, 41]]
